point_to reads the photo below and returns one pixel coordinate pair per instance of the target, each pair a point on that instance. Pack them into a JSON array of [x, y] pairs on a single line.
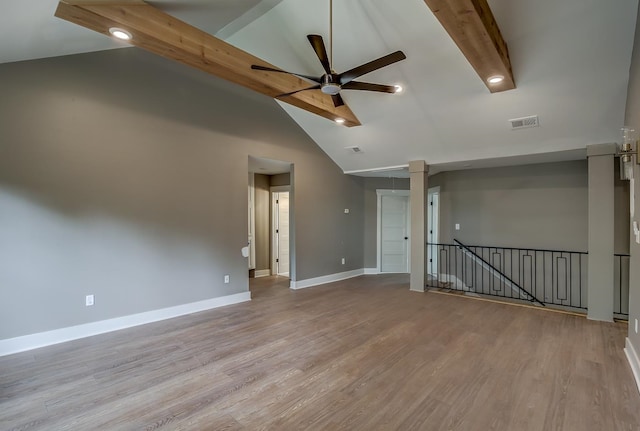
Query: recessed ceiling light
[[339, 120], [398, 88], [495, 79], [120, 33]]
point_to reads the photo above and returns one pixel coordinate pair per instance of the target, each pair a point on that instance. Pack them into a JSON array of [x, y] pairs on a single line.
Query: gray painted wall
[[632, 118], [537, 206], [125, 175], [336, 234], [280, 180]]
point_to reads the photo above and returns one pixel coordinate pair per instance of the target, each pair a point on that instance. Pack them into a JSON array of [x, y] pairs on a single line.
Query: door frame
[[387, 192], [273, 190]]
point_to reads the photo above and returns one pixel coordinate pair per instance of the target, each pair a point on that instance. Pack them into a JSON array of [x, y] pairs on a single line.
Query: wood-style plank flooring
[[362, 354]]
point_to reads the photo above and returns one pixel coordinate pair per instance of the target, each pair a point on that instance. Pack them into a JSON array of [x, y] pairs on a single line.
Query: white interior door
[[393, 232], [281, 233], [433, 223]]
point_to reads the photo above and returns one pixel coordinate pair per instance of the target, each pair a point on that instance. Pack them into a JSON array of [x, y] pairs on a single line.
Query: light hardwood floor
[[362, 354]]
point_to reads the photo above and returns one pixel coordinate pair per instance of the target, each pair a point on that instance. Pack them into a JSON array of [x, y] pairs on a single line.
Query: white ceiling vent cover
[[354, 149], [524, 122]]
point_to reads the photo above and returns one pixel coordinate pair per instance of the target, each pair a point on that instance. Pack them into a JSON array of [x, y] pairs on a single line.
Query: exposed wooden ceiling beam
[[162, 34], [473, 28]]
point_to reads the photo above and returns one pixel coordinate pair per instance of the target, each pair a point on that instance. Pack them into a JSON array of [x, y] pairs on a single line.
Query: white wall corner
[[48, 338], [634, 361], [302, 284], [371, 271]]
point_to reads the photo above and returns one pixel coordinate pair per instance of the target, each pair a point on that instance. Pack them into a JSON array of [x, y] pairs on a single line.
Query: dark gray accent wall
[[371, 213], [124, 175], [621, 209], [632, 119]]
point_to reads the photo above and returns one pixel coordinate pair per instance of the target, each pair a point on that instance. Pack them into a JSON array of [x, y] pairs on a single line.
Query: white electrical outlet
[[226, 278], [343, 260], [457, 226], [89, 300], [346, 210]]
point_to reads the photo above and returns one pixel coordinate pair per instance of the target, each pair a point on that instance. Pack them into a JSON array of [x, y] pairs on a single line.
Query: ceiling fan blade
[[318, 46], [337, 100], [271, 69], [355, 85], [381, 62], [315, 87]]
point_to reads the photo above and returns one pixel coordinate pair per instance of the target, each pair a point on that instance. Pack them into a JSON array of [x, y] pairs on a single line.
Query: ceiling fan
[[331, 82]]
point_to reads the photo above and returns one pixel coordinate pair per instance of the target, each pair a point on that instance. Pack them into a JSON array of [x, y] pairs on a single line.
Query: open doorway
[[270, 205]]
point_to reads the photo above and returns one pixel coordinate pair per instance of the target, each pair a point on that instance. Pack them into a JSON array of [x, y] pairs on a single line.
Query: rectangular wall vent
[[354, 150], [524, 122]]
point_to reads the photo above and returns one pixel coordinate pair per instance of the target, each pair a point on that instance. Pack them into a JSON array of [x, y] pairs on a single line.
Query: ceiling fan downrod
[[331, 35]]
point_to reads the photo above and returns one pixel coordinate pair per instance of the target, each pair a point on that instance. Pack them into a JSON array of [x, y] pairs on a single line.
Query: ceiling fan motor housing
[[330, 84]]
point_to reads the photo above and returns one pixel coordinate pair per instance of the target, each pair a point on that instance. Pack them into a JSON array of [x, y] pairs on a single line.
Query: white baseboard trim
[[262, 273], [42, 339], [371, 271], [302, 284], [634, 361]]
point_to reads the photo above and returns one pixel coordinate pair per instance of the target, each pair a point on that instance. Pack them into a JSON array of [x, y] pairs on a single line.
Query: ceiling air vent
[[354, 149], [524, 122]]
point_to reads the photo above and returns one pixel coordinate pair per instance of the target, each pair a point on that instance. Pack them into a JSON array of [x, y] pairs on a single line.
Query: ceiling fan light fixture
[[495, 79], [120, 33], [339, 120], [398, 88], [331, 89]]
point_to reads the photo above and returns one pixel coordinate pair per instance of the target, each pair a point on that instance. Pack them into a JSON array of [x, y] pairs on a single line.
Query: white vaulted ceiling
[[570, 60]]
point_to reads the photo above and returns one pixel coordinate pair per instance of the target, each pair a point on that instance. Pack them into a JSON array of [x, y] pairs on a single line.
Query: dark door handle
[[406, 237]]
